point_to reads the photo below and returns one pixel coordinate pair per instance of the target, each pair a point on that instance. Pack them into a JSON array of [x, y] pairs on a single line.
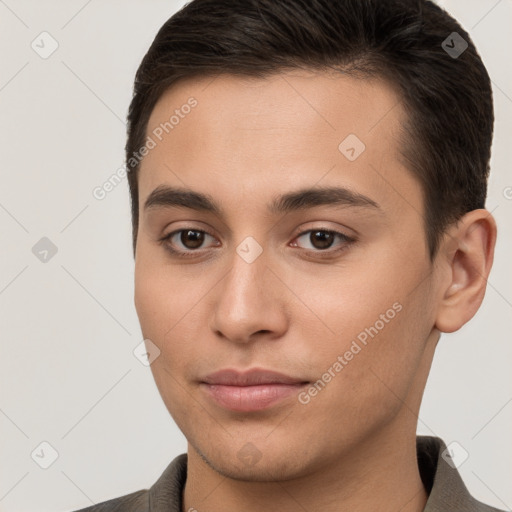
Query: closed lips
[[254, 377]]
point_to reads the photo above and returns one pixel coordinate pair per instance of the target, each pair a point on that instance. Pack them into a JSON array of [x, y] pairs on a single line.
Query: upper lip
[[252, 377]]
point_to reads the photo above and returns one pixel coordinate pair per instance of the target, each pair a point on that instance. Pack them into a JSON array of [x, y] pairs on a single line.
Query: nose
[[249, 303]]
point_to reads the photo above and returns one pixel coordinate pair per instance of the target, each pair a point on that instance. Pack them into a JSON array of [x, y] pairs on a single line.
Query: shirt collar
[[441, 479]]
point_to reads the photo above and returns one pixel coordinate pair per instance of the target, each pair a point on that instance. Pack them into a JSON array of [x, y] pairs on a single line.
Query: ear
[[466, 255]]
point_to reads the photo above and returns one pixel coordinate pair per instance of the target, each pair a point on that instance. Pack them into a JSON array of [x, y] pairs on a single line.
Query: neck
[[380, 474]]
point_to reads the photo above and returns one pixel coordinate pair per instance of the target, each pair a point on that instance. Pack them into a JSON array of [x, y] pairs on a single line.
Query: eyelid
[[169, 235], [347, 240]]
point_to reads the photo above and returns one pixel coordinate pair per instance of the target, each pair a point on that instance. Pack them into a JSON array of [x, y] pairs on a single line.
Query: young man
[[308, 183]]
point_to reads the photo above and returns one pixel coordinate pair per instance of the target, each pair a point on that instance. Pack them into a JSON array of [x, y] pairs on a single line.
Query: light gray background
[[69, 326]]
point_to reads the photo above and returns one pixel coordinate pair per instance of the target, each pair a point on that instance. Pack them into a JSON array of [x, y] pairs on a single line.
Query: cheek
[[350, 303], [377, 316], [166, 317], [163, 297], [150, 302], [170, 308]]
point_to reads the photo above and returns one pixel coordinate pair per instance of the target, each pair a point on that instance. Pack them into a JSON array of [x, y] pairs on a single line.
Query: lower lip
[[250, 398]]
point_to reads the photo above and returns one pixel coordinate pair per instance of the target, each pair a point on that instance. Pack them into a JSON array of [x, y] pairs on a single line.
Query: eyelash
[[323, 253]]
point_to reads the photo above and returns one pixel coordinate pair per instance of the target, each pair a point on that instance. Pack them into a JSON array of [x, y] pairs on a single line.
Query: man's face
[[348, 316]]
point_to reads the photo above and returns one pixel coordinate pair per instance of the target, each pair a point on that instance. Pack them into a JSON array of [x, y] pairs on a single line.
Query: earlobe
[[469, 251]]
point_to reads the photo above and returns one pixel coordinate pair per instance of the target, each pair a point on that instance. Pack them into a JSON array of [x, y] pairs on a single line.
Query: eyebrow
[[165, 196]]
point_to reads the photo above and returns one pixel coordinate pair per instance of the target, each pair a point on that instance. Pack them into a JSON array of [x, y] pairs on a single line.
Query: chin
[[271, 464], [264, 471]]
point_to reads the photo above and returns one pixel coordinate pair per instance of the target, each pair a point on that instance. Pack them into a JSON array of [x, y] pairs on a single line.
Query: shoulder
[[442, 480], [134, 502]]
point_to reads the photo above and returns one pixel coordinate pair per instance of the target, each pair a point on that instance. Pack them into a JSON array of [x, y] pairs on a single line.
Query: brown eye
[[321, 239], [192, 239], [185, 242]]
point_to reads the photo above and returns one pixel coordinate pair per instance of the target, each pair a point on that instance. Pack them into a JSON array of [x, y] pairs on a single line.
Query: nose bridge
[[246, 303], [242, 291]]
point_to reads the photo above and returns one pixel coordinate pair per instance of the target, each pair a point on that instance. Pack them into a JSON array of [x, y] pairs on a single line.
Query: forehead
[[244, 135], [305, 102]]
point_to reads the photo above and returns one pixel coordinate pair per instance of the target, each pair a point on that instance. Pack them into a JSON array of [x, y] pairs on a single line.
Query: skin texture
[[352, 446]]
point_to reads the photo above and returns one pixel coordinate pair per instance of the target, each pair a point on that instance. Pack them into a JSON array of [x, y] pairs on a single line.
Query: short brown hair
[[448, 98]]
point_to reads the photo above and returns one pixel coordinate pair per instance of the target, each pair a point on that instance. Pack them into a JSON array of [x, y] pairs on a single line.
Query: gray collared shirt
[[447, 492]]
